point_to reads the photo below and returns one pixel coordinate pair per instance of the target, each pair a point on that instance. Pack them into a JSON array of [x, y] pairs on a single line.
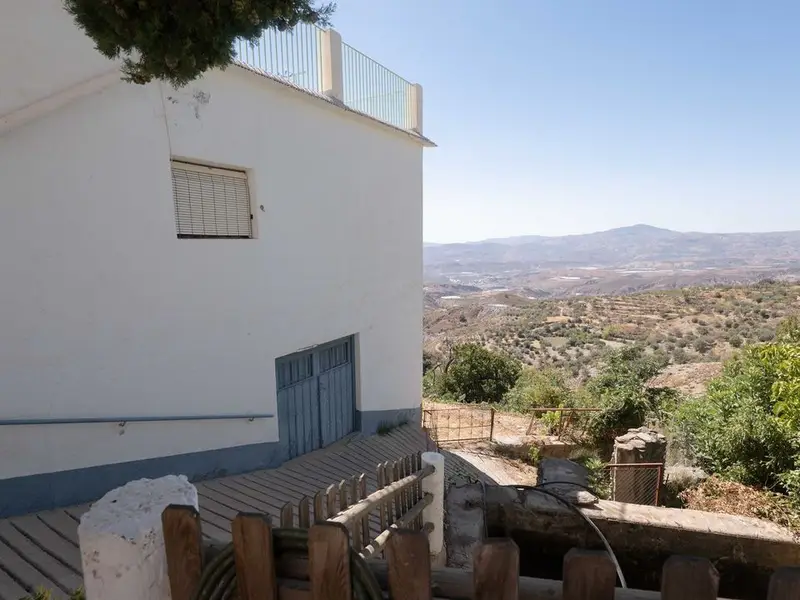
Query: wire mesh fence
[[455, 425], [636, 483], [560, 421]]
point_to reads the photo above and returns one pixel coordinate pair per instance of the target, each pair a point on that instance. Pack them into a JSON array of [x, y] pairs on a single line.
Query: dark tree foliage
[[476, 374], [178, 40]]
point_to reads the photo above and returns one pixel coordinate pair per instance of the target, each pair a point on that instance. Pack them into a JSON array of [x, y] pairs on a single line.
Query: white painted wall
[[43, 53], [104, 312]]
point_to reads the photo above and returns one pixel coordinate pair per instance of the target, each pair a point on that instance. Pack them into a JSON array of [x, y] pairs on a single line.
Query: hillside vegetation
[[696, 325], [613, 355]]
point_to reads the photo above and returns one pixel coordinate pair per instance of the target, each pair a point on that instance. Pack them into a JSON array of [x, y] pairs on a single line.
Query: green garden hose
[[218, 581]]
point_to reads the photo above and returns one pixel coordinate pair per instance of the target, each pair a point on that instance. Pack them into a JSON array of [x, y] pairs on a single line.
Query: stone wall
[[746, 551]]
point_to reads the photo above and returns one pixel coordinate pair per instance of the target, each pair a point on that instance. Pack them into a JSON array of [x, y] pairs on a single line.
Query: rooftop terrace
[[317, 60]]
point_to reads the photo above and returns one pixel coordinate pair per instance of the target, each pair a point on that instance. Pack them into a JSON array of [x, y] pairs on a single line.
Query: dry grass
[[727, 497]]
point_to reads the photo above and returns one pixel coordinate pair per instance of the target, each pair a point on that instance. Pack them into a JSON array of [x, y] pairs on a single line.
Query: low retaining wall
[[745, 551]]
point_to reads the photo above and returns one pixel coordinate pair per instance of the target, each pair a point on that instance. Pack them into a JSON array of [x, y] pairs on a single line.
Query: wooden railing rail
[[366, 505], [373, 518]]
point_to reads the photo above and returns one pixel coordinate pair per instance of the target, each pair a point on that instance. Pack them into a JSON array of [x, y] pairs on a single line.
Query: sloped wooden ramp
[[41, 549]]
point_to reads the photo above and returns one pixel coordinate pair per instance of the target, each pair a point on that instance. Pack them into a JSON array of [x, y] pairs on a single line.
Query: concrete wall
[[43, 54], [746, 551], [104, 312]]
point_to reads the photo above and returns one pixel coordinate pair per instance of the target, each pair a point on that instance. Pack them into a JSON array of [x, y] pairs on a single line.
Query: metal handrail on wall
[[124, 420]]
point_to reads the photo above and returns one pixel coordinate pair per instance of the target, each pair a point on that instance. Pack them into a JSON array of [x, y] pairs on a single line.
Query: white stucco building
[[200, 280]]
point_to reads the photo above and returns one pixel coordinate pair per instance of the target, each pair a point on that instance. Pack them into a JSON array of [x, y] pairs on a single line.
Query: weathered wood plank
[[253, 556], [10, 589], [689, 577], [243, 495], [410, 492], [329, 562], [588, 575], [355, 495], [304, 513], [183, 544], [362, 491], [319, 507], [398, 502], [60, 570], [77, 511], [380, 472], [343, 504], [62, 523], [287, 515], [409, 563], [27, 575], [330, 499], [496, 570]]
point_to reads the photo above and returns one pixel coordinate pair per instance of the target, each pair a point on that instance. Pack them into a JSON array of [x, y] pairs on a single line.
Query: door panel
[[316, 397], [336, 395], [298, 404]]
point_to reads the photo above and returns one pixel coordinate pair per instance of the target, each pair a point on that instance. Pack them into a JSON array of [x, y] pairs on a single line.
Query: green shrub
[[477, 374], [620, 391], [539, 388], [746, 426]]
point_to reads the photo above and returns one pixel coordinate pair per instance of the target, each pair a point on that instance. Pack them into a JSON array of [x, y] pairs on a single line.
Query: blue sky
[[570, 116]]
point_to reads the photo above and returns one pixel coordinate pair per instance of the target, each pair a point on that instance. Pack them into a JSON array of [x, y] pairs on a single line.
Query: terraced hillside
[[695, 325]]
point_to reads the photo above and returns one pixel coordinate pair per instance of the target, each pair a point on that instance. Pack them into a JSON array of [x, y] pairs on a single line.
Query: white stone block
[[434, 513], [122, 541]]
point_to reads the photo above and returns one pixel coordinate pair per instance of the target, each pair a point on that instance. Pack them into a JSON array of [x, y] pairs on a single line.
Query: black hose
[[576, 510], [218, 581]]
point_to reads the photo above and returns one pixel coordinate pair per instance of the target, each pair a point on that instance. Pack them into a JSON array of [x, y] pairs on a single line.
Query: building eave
[[420, 139]]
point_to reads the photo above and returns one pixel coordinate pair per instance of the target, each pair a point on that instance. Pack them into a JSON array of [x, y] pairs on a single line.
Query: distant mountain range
[[661, 257]]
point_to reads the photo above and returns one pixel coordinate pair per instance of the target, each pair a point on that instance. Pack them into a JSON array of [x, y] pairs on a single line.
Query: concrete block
[[122, 541]]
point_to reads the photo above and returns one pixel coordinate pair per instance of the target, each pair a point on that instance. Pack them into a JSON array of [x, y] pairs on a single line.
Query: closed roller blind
[[211, 202]]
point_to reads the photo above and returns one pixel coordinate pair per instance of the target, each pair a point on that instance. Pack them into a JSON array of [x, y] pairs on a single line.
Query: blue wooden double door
[[316, 396]]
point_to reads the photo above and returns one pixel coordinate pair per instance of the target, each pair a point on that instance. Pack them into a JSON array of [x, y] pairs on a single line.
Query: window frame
[[207, 169]]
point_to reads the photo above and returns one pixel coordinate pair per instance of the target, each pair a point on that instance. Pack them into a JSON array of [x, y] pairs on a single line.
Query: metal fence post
[[491, 427]]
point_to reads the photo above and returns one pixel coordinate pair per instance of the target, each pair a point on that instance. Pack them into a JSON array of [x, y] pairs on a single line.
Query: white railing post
[[434, 513], [415, 107], [331, 64], [122, 541]]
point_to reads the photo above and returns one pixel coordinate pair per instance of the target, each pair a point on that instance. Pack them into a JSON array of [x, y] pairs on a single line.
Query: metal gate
[[316, 396]]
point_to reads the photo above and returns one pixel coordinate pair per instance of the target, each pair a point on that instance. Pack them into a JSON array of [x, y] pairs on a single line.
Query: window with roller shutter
[[211, 202]]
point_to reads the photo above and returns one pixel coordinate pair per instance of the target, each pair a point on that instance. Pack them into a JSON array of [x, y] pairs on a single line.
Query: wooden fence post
[[388, 475], [329, 562], [588, 575], [253, 557], [496, 570], [689, 577], [303, 513], [287, 515], [380, 473], [398, 501], [409, 567], [183, 544], [330, 500], [491, 426], [362, 488], [355, 496]]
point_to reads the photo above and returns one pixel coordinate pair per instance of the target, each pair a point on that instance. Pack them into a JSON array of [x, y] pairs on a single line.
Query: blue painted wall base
[[20, 495], [368, 422]]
